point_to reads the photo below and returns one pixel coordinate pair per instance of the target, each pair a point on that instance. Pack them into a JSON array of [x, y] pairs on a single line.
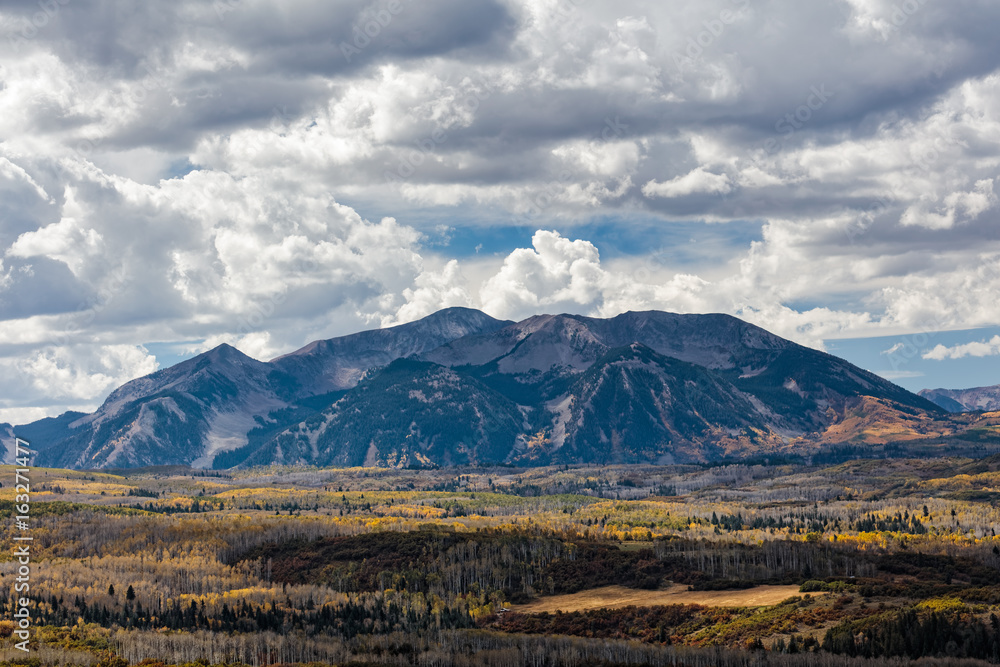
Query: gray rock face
[[538, 343], [984, 399], [184, 414], [411, 413], [7, 442], [339, 363]]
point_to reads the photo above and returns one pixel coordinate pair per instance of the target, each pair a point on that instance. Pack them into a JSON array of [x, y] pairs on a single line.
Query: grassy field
[[616, 597]]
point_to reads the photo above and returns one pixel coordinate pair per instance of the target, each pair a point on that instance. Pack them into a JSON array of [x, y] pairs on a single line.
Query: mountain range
[[461, 388], [984, 399]]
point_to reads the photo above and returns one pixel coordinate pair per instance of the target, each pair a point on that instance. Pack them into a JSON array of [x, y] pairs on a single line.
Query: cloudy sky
[[174, 175]]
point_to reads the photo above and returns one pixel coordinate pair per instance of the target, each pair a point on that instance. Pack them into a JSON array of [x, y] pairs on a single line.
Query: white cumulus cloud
[[985, 348]]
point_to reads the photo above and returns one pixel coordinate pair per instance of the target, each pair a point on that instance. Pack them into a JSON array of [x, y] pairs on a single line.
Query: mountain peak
[[224, 351], [457, 312], [339, 363]]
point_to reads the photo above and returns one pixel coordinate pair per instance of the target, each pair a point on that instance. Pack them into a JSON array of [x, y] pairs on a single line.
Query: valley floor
[[866, 562]]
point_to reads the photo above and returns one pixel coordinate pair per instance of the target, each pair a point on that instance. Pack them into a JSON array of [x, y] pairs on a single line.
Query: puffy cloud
[[70, 376], [979, 200], [694, 182], [556, 273], [985, 348], [432, 291]]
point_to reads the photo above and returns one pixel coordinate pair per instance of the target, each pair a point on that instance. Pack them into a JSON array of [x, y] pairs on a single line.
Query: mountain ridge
[[650, 385], [975, 399]]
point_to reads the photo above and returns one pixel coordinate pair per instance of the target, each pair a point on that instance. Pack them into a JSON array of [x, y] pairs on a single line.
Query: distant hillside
[[979, 399]]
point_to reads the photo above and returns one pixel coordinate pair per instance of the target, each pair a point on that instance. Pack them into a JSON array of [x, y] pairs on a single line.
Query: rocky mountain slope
[[184, 414], [984, 399], [339, 363], [216, 402], [635, 406], [640, 387], [412, 413], [7, 442], [460, 387]]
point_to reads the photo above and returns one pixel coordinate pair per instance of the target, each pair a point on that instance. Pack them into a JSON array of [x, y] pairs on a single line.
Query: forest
[[863, 562]]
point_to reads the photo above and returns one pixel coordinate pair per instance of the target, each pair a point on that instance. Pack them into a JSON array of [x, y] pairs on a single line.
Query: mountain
[[339, 363], [641, 387], [412, 413], [575, 341], [7, 446], [636, 406], [460, 387], [222, 400], [631, 405], [180, 415], [984, 399], [797, 384]]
